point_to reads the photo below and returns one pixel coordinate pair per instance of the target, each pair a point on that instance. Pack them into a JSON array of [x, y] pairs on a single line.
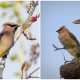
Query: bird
[[77, 21], [7, 38], [69, 41]]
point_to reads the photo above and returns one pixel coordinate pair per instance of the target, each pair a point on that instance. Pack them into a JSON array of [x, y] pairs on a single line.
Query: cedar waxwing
[[69, 41], [7, 38]]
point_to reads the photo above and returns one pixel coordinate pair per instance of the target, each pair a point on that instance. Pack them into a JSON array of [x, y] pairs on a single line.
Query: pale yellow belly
[[73, 51], [2, 53]]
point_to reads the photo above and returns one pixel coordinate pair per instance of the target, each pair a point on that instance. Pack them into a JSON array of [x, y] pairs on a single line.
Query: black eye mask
[[14, 25]]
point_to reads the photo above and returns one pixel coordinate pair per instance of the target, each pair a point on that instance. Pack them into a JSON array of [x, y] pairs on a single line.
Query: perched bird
[[76, 21], [69, 41], [7, 38]]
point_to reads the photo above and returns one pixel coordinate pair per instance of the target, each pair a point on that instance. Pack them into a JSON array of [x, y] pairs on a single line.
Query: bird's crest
[[62, 27], [10, 24]]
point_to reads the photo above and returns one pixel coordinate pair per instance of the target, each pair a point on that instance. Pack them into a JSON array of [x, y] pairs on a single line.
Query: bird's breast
[[74, 51], [66, 40], [6, 42]]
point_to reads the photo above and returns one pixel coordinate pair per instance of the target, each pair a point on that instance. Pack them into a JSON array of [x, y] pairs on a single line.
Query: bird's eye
[[13, 25]]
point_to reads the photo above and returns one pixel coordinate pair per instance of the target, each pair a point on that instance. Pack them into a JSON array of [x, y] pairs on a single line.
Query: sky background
[[22, 45], [54, 14]]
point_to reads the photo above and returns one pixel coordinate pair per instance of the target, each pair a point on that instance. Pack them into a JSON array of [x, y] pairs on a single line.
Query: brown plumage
[[69, 41], [76, 21], [7, 37]]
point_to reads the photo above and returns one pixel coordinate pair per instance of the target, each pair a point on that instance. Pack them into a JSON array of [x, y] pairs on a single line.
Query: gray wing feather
[[74, 38]]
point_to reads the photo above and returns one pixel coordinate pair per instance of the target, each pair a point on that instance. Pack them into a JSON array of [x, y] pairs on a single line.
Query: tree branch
[[29, 38], [23, 26], [34, 77], [56, 48], [27, 23], [32, 73]]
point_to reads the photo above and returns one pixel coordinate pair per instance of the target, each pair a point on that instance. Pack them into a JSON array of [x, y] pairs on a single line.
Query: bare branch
[[24, 68], [65, 59], [34, 77], [29, 38], [56, 48], [23, 26], [27, 23], [32, 73]]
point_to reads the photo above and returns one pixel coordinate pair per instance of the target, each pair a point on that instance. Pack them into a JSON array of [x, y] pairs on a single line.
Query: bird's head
[[76, 21], [61, 29], [9, 26]]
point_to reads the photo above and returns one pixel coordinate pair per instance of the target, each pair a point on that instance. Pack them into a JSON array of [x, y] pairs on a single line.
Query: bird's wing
[[74, 38]]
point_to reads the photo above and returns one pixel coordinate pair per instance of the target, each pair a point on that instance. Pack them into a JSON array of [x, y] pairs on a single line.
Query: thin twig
[[28, 37], [65, 59], [34, 77], [27, 23], [56, 48], [32, 73], [24, 26]]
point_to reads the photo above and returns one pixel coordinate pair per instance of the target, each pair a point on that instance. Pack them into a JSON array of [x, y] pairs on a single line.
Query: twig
[[34, 77], [24, 68], [24, 26], [28, 37], [56, 48], [65, 59], [27, 23], [32, 73]]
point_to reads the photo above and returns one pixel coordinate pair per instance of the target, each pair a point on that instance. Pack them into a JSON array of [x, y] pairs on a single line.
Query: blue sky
[[54, 14]]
